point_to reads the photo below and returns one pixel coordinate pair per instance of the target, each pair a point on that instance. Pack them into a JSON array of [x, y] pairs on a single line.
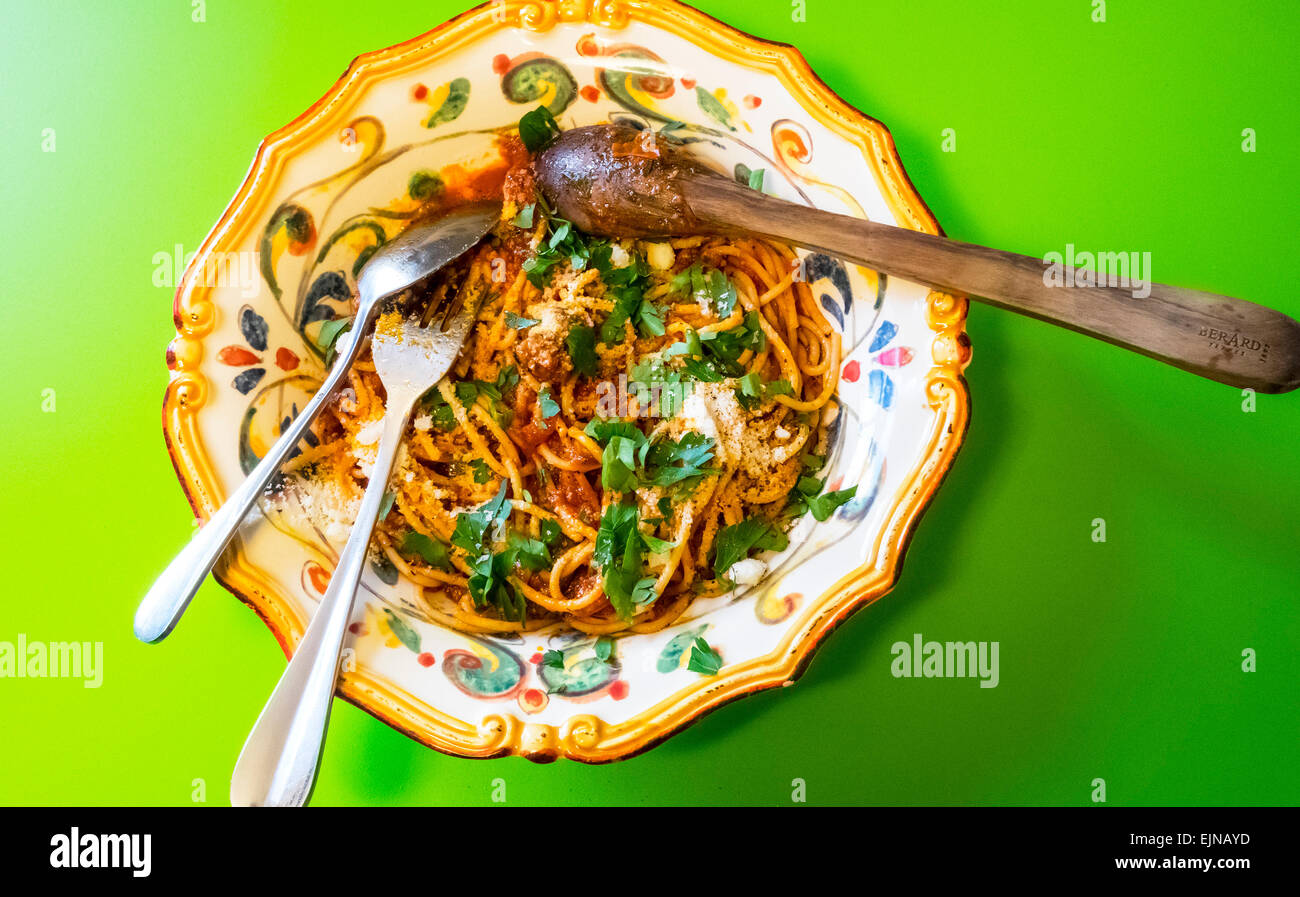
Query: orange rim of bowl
[[583, 737]]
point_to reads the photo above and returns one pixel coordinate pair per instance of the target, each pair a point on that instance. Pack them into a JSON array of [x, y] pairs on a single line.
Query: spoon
[[405, 260], [617, 181]]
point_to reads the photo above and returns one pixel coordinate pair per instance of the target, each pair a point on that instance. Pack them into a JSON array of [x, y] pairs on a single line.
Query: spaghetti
[[628, 422]]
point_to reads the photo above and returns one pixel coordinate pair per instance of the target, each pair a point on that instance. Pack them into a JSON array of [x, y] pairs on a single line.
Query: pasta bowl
[[406, 122]]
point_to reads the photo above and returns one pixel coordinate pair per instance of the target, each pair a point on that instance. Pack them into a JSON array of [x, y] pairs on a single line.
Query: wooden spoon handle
[[1229, 340]]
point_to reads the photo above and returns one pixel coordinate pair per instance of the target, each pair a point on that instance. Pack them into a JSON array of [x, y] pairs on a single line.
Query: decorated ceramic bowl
[[325, 191]]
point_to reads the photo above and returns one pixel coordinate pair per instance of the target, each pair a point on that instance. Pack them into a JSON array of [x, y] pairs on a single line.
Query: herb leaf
[[735, 542], [619, 555], [433, 552], [524, 218], [581, 343], [547, 405], [472, 526], [538, 128], [823, 506]]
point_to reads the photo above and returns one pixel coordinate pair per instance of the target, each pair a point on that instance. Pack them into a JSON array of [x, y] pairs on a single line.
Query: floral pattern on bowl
[[399, 127]]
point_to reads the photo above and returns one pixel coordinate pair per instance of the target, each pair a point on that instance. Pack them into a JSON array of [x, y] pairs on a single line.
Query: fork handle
[[277, 766], [172, 592]]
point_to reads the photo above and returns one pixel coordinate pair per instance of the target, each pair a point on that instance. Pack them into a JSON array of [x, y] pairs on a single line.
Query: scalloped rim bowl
[[329, 187]]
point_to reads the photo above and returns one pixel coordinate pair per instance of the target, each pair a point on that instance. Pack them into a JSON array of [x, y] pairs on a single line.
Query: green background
[[1119, 660]]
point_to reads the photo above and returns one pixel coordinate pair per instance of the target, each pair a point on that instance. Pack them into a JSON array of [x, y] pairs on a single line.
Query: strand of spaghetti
[[480, 444], [830, 380], [665, 618], [545, 600], [740, 260], [311, 455], [364, 395], [571, 524], [579, 436], [578, 532], [486, 624], [675, 556], [471, 433], [710, 517], [430, 577], [556, 461], [449, 617], [687, 565], [783, 356], [414, 518], [593, 626], [566, 398]]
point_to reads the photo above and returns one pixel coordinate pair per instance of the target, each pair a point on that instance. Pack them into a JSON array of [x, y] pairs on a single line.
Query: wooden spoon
[[617, 181]]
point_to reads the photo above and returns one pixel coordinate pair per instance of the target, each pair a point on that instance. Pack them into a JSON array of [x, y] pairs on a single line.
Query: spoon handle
[[1221, 338], [277, 766], [172, 592]]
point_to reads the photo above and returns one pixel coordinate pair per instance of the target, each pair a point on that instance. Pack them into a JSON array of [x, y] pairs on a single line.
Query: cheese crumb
[[369, 433], [747, 572]]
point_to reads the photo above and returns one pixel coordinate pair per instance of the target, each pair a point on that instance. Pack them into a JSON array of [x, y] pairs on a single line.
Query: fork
[[277, 766], [401, 262]]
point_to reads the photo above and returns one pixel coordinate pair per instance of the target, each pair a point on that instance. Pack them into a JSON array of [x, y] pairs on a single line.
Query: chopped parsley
[[627, 286], [468, 391], [431, 551], [524, 218], [476, 534], [550, 533], [581, 343], [738, 541], [712, 356], [630, 459], [531, 554], [538, 129], [619, 555], [711, 290], [807, 496], [328, 336], [562, 242], [823, 506], [751, 391], [472, 526], [482, 473], [439, 410], [546, 404]]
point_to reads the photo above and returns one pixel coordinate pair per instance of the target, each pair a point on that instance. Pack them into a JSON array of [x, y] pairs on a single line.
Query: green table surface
[[1119, 660]]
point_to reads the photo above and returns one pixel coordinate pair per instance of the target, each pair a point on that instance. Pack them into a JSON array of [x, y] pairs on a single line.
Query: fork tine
[[436, 302], [452, 309]]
